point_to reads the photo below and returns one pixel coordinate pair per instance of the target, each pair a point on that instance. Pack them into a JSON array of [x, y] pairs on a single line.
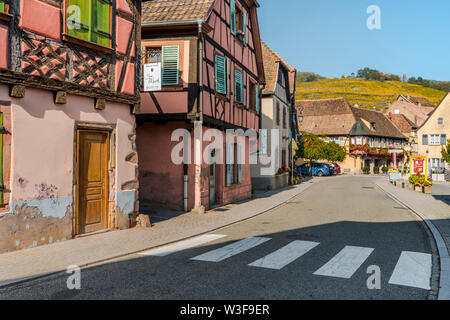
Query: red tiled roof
[[337, 117], [402, 123], [271, 59], [175, 10]]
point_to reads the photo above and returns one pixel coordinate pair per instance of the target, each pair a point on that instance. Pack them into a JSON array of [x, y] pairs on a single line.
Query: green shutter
[[238, 87], [170, 65], [2, 5], [101, 31], [257, 97], [244, 16], [233, 16], [221, 74], [239, 164], [80, 29], [1, 160]]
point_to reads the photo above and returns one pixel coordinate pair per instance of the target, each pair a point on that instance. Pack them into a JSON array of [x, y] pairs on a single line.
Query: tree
[[313, 147], [310, 147], [446, 152], [334, 152]]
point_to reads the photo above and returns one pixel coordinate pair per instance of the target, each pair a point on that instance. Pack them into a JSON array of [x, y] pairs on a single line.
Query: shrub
[[366, 170], [384, 169]]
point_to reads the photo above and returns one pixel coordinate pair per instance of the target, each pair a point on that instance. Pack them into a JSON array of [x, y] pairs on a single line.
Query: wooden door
[[92, 180]]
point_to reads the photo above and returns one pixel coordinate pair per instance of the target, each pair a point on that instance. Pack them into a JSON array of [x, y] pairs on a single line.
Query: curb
[[444, 258], [9, 283]]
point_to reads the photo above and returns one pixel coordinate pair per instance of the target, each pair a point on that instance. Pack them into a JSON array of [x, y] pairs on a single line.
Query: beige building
[[415, 109], [366, 134], [277, 105], [433, 135]]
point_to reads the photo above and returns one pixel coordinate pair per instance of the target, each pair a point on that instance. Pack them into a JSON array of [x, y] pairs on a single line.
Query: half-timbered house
[[211, 58], [67, 95]]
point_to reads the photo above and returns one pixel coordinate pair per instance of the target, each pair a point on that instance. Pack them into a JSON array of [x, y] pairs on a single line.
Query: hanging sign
[[418, 165], [152, 76]]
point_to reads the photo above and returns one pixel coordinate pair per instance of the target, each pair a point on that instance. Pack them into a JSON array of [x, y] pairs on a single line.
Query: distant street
[[319, 245]]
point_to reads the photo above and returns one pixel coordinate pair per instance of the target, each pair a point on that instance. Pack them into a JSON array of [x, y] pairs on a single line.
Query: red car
[[336, 167]]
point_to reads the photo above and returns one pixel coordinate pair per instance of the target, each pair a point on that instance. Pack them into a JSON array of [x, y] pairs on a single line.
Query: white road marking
[[345, 263], [285, 255], [182, 245], [413, 269], [231, 249]]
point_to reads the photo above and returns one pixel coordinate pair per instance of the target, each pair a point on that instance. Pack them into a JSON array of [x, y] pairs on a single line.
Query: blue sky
[[330, 37]]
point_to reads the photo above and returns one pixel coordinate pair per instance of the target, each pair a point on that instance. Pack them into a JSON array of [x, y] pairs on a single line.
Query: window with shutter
[[244, 17], [3, 6], [257, 97], [239, 163], [238, 86], [443, 139], [229, 164], [221, 74], [233, 16], [425, 139], [93, 23], [170, 65]]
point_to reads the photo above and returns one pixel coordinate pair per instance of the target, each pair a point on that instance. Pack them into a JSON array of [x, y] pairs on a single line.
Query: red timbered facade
[[68, 91], [216, 49]]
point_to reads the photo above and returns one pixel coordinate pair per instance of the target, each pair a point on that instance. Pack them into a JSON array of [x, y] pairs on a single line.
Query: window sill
[[5, 16], [87, 44]]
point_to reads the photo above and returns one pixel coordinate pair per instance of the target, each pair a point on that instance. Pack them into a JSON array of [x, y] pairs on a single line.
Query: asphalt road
[[319, 245]]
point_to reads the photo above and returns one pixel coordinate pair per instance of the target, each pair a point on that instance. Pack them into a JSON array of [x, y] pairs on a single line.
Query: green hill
[[365, 93]]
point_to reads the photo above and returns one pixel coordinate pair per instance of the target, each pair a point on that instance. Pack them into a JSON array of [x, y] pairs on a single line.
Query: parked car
[[319, 169], [335, 167]]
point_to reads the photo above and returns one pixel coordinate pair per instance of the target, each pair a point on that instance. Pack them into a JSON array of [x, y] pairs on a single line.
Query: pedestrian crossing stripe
[[413, 269], [182, 245], [345, 263], [282, 257], [231, 249]]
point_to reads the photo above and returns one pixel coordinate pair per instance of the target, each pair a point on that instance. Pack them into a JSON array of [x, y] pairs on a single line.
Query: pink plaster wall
[[41, 156], [170, 102], [161, 181], [32, 13], [3, 47]]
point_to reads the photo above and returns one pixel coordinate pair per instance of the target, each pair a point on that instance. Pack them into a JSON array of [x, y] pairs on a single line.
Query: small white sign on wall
[[152, 76]]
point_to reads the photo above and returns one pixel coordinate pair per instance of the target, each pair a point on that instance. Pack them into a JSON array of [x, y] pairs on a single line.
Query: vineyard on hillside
[[364, 93]]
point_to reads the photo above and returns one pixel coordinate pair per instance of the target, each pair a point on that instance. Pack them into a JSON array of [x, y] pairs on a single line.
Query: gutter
[[170, 23]]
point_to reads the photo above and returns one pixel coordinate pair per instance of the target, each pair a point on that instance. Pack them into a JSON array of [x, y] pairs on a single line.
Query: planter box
[[438, 177], [427, 190], [418, 189], [281, 180]]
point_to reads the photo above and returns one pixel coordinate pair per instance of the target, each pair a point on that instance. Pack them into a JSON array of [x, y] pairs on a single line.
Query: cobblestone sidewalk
[[33, 262]]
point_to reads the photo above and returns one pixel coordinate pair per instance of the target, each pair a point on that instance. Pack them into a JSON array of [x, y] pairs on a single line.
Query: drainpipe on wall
[[185, 187]]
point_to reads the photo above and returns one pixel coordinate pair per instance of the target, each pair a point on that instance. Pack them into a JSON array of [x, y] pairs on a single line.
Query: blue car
[[319, 169]]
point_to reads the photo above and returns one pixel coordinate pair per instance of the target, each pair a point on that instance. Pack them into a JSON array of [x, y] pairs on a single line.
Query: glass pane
[[154, 55]]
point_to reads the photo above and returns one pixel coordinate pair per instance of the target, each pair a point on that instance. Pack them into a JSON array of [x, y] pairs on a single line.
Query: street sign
[[152, 76]]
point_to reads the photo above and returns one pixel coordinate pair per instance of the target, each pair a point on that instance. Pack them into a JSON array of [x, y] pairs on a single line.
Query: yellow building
[[432, 135]]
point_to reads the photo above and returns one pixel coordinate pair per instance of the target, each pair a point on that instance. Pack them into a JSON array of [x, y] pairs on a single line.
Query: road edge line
[[444, 258]]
